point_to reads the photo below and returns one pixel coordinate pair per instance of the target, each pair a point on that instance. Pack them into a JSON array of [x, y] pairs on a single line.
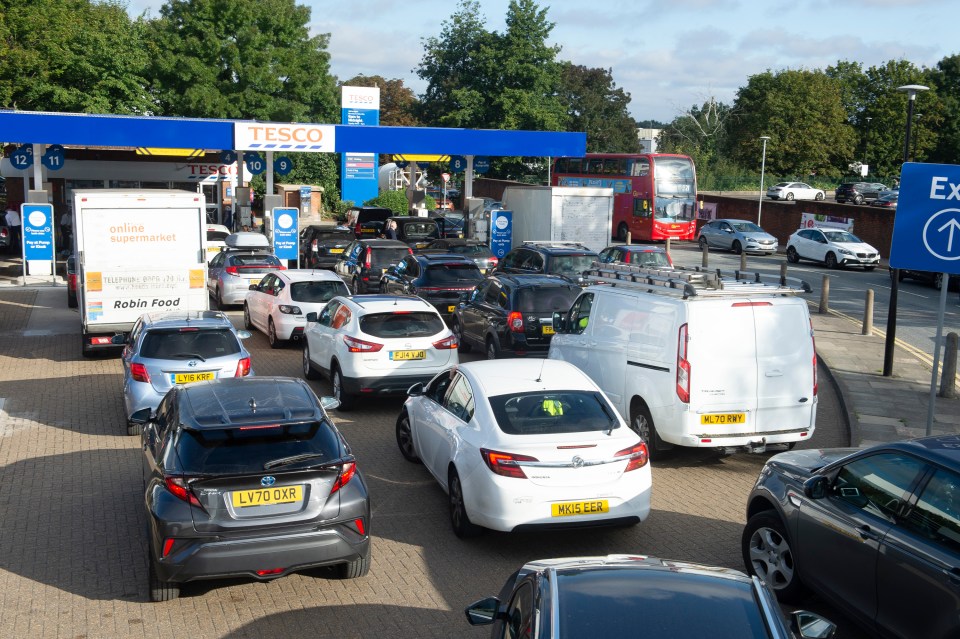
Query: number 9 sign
[[282, 165]]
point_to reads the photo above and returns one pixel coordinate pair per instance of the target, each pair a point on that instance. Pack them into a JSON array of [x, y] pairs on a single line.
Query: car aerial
[[242, 264], [416, 231], [887, 200], [738, 236], [369, 221], [512, 315], [249, 478], [535, 444], [440, 278], [476, 250], [876, 531], [832, 247], [363, 262], [177, 347], [639, 254], [322, 246], [859, 192], [566, 259], [376, 345], [609, 596], [794, 191], [216, 239], [278, 305], [72, 281]]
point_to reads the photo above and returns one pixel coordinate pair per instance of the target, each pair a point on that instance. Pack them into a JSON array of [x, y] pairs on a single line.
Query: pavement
[[878, 409]]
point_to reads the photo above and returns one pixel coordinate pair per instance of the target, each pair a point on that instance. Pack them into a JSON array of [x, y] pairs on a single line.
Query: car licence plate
[[254, 282], [570, 508], [267, 496], [187, 378], [720, 419], [547, 329], [451, 309], [405, 355], [336, 250]]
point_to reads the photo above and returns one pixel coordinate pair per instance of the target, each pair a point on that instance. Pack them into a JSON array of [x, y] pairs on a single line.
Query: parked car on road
[[739, 236], [832, 247], [440, 278], [566, 259], [859, 192], [887, 200], [249, 478], [609, 596], [874, 531], [794, 191], [476, 250], [322, 245], [278, 305], [927, 277], [639, 254], [363, 262], [535, 444]]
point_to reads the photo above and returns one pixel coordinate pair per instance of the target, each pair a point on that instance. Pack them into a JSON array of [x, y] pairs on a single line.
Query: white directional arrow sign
[[952, 225]]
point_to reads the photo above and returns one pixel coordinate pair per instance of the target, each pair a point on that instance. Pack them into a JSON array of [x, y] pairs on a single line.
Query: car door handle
[[866, 532], [774, 373]]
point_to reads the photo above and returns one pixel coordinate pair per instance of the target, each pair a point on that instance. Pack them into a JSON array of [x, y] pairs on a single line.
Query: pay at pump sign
[[926, 229]]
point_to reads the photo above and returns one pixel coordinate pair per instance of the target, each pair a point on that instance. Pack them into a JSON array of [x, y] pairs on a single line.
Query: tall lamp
[[866, 145], [911, 90], [763, 165]]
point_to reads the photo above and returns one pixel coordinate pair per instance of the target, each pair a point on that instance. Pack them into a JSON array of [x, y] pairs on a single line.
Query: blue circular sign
[[21, 159], [458, 164], [402, 164], [228, 157], [481, 164], [54, 158], [255, 164], [282, 165]]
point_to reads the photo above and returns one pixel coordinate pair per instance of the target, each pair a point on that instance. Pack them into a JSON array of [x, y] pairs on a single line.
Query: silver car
[[233, 272], [177, 347], [738, 236]]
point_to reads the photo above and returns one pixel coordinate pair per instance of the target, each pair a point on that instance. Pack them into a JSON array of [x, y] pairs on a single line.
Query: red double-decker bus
[[655, 194]]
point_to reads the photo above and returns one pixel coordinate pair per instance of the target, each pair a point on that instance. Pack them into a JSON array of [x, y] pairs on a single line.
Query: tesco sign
[[360, 98], [260, 136]]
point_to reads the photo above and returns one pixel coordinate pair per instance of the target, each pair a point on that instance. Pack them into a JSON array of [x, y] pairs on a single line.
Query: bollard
[[743, 261], [668, 247], [948, 375], [783, 274], [868, 313], [629, 237], [706, 253], [825, 295]]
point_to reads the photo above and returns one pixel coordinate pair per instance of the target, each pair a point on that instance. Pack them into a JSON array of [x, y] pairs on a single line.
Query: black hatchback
[[362, 263], [249, 478], [440, 279], [322, 246], [513, 314], [566, 259]]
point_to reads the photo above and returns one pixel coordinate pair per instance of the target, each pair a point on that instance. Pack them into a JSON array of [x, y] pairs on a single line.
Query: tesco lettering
[[285, 134]]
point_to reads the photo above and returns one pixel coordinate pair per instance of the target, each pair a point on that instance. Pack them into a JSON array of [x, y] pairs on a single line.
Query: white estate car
[[376, 345], [794, 191], [525, 444], [216, 239], [278, 305], [833, 247]]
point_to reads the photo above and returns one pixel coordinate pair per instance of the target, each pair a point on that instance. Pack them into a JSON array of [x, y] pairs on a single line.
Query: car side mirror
[[329, 403], [810, 625], [559, 322], [312, 317], [243, 334], [816, 487], [483, 612], [416, 390]]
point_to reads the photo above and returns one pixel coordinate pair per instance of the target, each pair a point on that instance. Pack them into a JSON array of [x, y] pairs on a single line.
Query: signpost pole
[[936, 353]]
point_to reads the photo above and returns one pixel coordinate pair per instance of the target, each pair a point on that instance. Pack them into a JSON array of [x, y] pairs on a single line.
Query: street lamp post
[[913, 153], [866, 145], [763, 165], [891, 339]]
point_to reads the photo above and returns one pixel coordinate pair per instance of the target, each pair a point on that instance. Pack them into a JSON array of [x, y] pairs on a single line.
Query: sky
[[669, 55]]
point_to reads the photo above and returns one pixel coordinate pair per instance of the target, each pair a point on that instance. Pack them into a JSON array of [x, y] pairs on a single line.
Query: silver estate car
[[177, 347]]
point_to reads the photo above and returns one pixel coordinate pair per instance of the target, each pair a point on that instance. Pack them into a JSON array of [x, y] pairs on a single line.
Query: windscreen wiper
[[190, 356], [292, 459]]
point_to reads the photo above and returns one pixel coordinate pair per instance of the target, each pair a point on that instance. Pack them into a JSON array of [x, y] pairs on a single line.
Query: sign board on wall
[[811, 220]]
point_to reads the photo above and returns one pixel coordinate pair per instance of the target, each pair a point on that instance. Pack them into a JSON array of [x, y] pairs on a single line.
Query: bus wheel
[[622, 232]]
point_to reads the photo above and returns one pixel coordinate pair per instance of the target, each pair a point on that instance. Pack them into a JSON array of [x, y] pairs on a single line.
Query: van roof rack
[[555, 243], [693, 281]]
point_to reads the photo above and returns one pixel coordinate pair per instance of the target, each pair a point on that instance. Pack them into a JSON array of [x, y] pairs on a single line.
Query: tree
[[398, 104], [597, 106], [243, 59], [72, 55], [701, 133], [945, 79]]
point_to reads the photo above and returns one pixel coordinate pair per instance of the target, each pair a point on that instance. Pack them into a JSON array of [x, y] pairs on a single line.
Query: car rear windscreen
[[384, 257], [254, 260], [459, 274], [469, 249], [189, 343], [571, 265], [388, 325], [216, 236], [313, 292], [651, 259], [420, 230], [553, 412], [546, 299]]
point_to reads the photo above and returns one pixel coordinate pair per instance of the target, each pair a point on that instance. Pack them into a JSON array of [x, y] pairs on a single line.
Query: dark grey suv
[[875, 531], [249, 478]]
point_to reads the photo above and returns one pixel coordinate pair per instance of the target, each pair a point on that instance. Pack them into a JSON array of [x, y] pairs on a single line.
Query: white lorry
[[137, 250], [561, 213]]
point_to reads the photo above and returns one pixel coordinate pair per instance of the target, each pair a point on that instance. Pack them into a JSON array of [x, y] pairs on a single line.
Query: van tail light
[[346, 474], [367, 259], [243, 367], [515, 322], [139, 373], [355, 345], [232, 270], [816, 382], [179, 488], [506, 464], [637, 456], [683, 366], [448, 343]]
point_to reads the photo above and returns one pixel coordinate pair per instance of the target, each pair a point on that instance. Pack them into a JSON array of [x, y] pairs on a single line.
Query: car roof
[[172, 319], [232, 401], [218, 227], [527, 375], [557, 249], [378, 303], [642, 562], [533, 279], [457, 241], [941, 449], [638, 248], [443, 257], [308, 275], [381, 243]]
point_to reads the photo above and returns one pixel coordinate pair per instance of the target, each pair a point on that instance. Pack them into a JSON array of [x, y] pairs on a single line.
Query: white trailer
[[137, 251], [561, 213]]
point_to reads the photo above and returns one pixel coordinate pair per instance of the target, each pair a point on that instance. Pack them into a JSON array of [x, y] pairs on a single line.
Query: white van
[[693, 358]]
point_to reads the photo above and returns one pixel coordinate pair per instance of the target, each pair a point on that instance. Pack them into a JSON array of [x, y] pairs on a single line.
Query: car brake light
[[505, 464], [179, 488], [167, 546], [361, 527], [355, 345], [358, 230], [515, 322], [243, 367], [139, 373], [637, 456], [816, 383], [270, 571], [232, 270], [411, 251], [346, 474], [683, 366], [367, 260], [4, 232], [492, 261], [281, 267], [450, 342]]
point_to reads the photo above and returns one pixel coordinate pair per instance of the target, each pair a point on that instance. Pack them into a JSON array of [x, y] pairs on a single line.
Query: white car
[[376, 345], [832, 247], [278, 305], [216, 239], [523, 445], [794, 191]]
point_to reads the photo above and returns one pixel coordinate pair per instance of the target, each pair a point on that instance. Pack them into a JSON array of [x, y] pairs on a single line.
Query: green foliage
[[396, 201], [430, 202], [597, 106], [945, 80]]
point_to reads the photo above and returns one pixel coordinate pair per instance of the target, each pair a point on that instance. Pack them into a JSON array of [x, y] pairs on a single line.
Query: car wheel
[[768, 555], [356, 568], [247, 324], [737, 247], [220, 304], [160, 590], [458, 331], [493, 351], [459, 520], [345, 399], [789, 196], [830, 261], [622, 232], [355, 286], [792, 256], [275, 342], [405, 439], [134, 429], [858, 199], [642, 424], [702, 242], [819, 197], [309, 371]]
